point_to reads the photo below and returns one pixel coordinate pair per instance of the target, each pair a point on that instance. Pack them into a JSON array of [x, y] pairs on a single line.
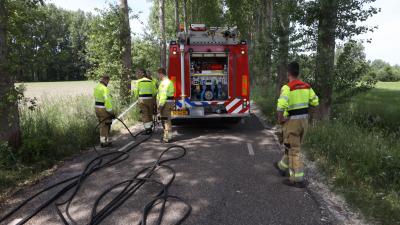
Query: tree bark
[[177, 24], [268, 38], [185, 19], [163, 44], [326, 56], [126, 55], [9, 119], [283, 46]]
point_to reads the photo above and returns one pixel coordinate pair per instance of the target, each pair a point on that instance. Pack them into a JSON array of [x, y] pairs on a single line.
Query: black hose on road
[[129, 187]]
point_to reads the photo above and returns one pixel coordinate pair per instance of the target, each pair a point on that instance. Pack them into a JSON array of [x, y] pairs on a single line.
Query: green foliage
[[349, 15], [209, 12], [264, 97], [104, 44], [55, 129], [362, 164], [377, 109], [46, 43], [145, 51], [384, 71], [351, 70]]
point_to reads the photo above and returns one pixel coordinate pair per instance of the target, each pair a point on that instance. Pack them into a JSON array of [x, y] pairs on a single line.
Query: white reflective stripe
[[298, 117], [170, 101], [233, 103], [237, 110], [285, 97], [279, 109], [298, 105], [109, 110], [315, 97], [100, 106], [145, 98], [147, 90]]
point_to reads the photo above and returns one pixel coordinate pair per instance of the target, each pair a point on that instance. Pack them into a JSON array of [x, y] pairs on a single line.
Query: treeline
[[46, 43], [383, 71]]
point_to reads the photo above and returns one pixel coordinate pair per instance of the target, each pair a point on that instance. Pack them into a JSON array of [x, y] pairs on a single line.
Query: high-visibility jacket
[[296, 97], [102, 97], [144, 88], [154, 81], [166, 91]]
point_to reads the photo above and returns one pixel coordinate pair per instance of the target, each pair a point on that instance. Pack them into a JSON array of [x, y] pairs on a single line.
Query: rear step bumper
[[240, 115]]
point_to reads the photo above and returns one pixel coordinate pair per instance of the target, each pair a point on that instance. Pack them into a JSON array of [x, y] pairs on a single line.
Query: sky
[[384, 45], [141, 7]]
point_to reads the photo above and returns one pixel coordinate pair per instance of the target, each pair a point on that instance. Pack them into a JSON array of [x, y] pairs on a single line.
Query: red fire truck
[[210, 71]]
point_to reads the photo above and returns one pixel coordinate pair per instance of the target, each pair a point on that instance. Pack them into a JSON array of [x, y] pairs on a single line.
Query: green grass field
[[42, 90], [378, 108]]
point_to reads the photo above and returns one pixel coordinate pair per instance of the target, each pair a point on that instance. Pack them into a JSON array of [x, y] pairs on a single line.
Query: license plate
[[179, 113]]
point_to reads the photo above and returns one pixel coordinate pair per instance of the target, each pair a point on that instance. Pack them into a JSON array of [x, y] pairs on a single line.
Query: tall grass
[[359, 151], [363, 164], [265, 98], [53, 130], [56, 128]]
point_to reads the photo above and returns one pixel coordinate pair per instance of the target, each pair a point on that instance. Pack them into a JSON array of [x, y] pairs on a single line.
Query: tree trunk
[[283, 46], [177, 16], [126, 54], [185, 19], [325, 55], [268, 38], [9, 119], [163, 43]]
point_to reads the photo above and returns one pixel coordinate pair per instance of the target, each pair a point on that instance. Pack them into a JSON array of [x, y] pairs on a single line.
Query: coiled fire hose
[[129, 187]]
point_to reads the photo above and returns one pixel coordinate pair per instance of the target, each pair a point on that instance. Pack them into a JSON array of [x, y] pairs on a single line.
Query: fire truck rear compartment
[[209, 78]]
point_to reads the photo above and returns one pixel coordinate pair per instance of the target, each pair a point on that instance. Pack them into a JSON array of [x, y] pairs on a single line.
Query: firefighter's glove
[[282, 119], [112, 116]]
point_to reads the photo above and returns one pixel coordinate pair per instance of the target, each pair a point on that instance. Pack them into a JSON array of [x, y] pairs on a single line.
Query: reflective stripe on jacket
[[165, 90], [144, 86], [297, 95], [102, 95]]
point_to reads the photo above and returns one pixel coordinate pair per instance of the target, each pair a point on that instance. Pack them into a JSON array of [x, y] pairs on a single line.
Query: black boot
[[149, 131], [281, 172], [301, 184], [105, 145]]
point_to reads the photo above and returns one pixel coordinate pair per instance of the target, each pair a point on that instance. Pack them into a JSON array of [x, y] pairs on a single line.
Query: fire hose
[[129, 187]]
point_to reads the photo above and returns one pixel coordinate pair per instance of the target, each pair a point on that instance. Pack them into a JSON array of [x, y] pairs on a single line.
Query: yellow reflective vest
[[166, 91], [296, 97], [102, 96], [144, 87]]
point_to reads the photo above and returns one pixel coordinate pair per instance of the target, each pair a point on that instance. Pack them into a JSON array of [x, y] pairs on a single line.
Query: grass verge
[[55, 129], [363, 165]]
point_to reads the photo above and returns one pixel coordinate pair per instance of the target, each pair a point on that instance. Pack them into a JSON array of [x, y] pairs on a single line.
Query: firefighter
[[145, 90], [103, 110], [293, 105], [165, 103], [148, 73], [154, 81]]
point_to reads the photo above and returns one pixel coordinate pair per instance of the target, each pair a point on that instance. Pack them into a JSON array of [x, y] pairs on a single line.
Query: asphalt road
[[227, 177]]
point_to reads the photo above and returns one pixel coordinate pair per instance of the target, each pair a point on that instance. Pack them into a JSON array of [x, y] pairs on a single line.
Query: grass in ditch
[[359, 152]]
